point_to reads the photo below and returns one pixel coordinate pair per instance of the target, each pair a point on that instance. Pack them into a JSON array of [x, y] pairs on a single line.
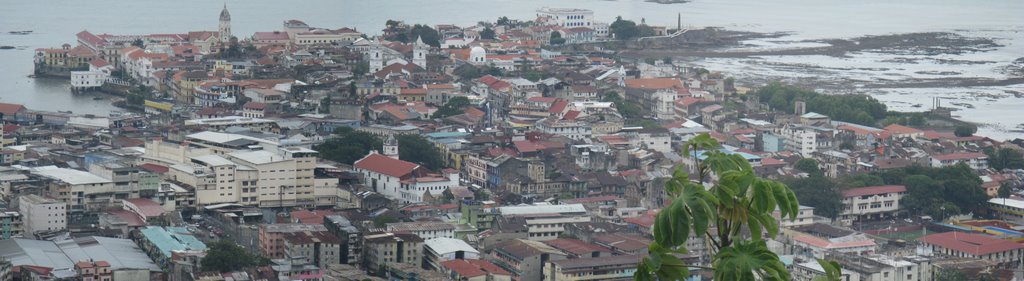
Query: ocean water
[[55, 22]]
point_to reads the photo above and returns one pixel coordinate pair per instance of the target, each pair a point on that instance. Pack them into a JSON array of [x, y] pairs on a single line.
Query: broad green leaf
[[749, 261], [833, 272]]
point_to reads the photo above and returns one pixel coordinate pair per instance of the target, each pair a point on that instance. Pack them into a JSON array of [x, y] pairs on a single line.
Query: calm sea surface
[[55, 22]]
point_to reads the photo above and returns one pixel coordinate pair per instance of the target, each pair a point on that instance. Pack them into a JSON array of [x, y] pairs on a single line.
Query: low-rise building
[[976, 160], [272, 236], [439, 250], [161, 242], [425, 229], [474, 270], [609, 268], [873, 202], [975, 246], [80, 190], [525, 259], [547, 222]]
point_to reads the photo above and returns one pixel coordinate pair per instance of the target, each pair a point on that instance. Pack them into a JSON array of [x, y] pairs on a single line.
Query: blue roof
[[1005, 231], [171, 239], [701, 154]]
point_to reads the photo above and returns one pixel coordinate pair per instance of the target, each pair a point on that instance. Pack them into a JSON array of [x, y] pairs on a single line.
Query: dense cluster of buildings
[[553, 161]]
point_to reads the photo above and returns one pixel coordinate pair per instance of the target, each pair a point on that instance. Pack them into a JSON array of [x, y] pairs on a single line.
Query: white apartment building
[[81, 190], [284, 178], [99, 71], [805, 140], [976, 160], [231, 168], [567, 17], [216, 180], [546, 222], [873, 202], [42, 214], [571, 129], [804, 216]]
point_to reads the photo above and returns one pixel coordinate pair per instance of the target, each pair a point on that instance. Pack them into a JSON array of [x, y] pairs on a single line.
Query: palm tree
[[738, 200]]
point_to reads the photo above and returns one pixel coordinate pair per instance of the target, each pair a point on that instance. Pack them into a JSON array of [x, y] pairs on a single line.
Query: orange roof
[[379, 163], [900, 129], [975, 244], [873, 190], [10, 108]]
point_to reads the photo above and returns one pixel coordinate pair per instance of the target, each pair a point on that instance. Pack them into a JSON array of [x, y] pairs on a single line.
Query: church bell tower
[[391, 147], [225, 25]]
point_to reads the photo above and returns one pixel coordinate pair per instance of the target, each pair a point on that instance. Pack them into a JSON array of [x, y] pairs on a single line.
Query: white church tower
[[376, 57], [391, 147], [225, 25], [419, 53]]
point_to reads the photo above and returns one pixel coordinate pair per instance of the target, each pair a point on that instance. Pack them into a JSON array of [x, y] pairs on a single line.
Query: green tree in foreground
[[225, 256], [739, 200]]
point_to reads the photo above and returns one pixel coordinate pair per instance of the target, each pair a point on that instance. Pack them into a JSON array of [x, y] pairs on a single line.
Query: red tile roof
[[645, 221], [558, 106], [147, 208], [10, 108], [463, 268], [873, 190], [255, 105], [311, 217], [130, 219], [571, 115], [379, 163], [974, 244], [524, 146], [900, 129], [474, 268], [98, 62], [90, 38], [10, 128], [154, 168]]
